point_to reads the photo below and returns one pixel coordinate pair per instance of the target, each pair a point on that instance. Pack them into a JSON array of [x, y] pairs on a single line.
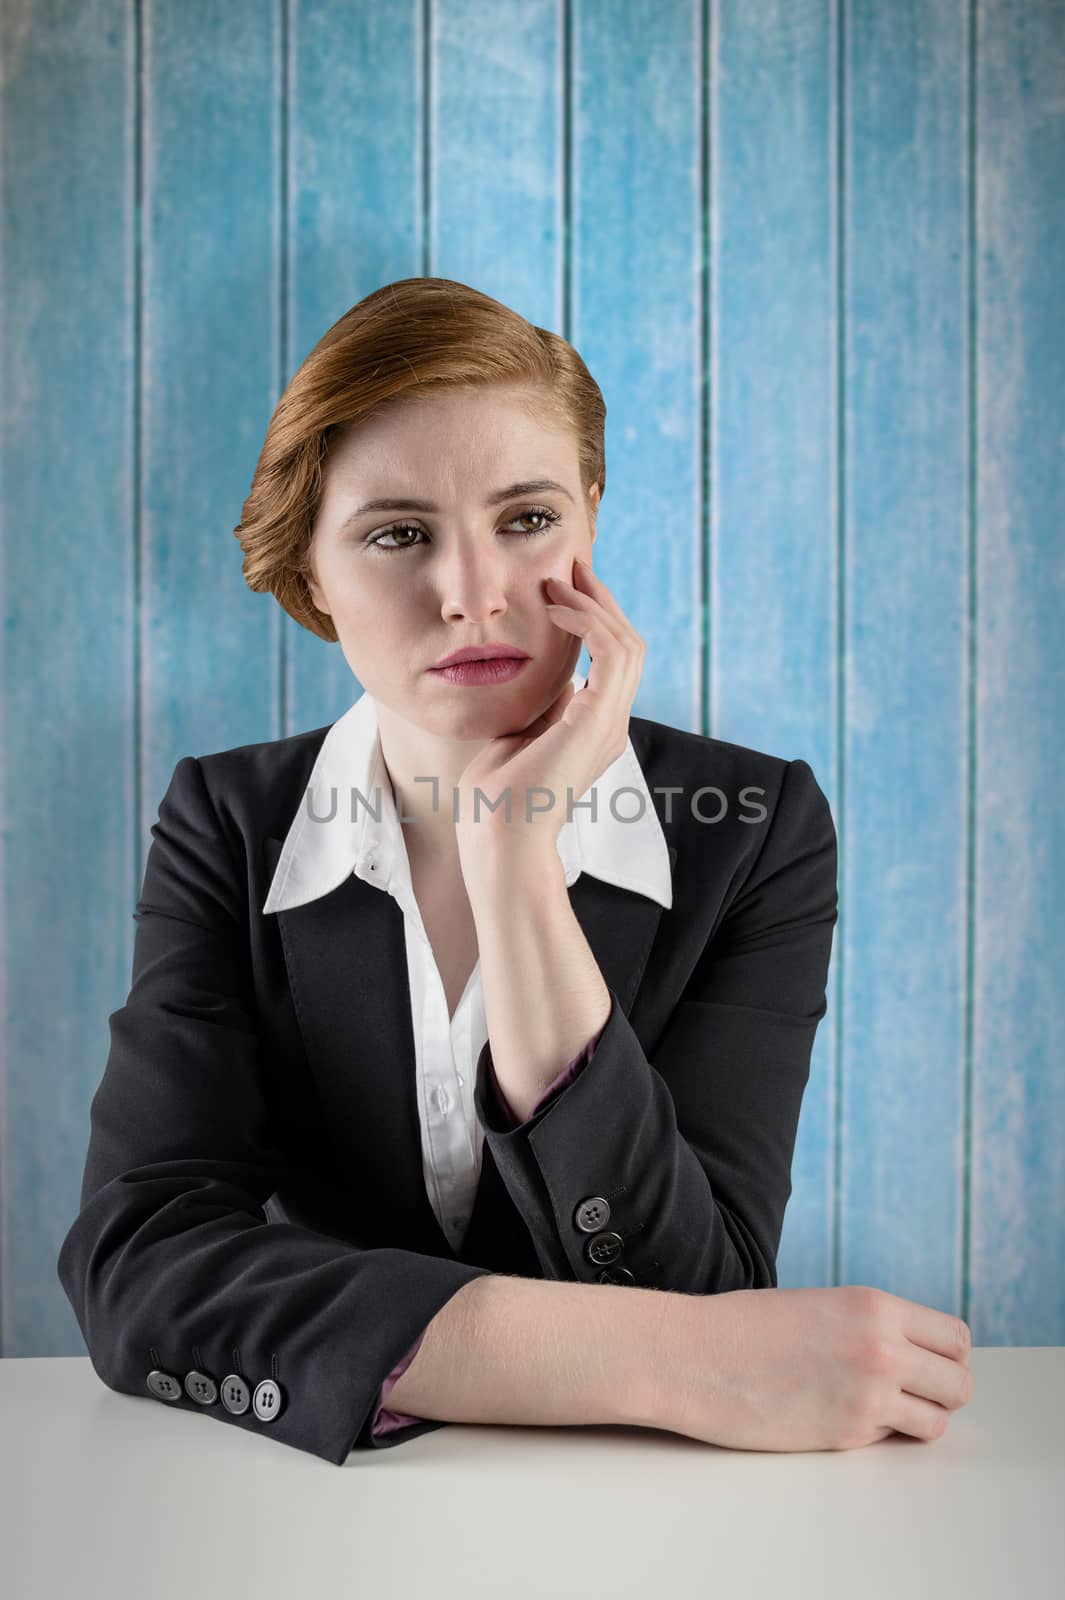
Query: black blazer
[[254, 1220]]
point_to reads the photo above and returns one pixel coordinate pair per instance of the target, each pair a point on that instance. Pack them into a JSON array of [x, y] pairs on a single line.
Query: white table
[[103, 1494]]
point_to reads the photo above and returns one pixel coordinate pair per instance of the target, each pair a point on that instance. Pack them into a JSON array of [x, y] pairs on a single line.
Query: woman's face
[[406, 586]]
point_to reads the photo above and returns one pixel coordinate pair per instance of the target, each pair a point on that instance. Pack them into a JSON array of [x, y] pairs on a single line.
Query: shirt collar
[[349, 781]]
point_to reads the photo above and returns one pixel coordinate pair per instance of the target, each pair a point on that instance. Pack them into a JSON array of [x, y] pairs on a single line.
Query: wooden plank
[[772, 459], [905, 530], [208, 646], [66, 465], [1018, 1139], [635, 242]]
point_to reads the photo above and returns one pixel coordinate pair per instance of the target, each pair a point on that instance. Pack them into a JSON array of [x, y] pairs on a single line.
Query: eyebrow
[[511, 492]]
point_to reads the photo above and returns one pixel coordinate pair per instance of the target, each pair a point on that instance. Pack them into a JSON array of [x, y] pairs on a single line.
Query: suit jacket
[[254, 1240]]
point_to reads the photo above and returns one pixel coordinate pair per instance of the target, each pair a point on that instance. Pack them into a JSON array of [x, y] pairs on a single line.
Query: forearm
[[544, 995], [529, 1351]]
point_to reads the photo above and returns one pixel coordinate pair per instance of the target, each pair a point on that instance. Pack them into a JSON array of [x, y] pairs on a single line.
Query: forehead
[[443, 445]]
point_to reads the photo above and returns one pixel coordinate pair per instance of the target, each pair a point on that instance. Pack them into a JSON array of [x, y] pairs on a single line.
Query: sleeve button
[[267, 1402], [604, 1249], [236, 1396], [592, 1214], [164, 1385], [201, 1387]]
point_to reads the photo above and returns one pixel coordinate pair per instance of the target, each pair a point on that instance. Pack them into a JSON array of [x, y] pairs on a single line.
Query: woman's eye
[[549, 517]]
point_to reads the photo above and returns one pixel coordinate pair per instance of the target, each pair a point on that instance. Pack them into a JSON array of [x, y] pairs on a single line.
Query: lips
[[481, 652], [500, 669]]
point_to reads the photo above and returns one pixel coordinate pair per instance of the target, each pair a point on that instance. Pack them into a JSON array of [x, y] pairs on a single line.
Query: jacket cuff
[[569, 1072]]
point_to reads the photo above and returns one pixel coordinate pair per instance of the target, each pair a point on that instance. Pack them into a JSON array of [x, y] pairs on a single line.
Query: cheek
[[361, 593], [545, 561], [552, 556]]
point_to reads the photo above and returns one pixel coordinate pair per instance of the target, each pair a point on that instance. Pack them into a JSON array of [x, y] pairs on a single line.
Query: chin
[[486, 713], [484, 722]]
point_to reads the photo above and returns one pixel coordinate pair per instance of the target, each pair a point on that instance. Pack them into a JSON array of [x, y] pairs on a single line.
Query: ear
[[315, 592], [594, 497]]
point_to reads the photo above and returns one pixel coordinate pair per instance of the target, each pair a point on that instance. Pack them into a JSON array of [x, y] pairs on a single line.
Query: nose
[[472, 585]]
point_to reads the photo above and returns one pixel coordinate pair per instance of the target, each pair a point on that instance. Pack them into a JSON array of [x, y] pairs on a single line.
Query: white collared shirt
[[324, 844]]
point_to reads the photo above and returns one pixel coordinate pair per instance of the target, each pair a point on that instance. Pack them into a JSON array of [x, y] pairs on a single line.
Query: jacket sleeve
[[673, 1170], [386, 1421], [172, 1266]]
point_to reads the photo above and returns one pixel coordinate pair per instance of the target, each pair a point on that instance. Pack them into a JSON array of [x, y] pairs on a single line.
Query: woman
[[455, 1082]]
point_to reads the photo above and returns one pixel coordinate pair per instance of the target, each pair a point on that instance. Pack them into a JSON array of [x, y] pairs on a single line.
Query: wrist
[[646, 1322], [492, 860]]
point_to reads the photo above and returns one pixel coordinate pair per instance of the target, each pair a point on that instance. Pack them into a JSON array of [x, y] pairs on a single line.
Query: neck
[[410, 753]]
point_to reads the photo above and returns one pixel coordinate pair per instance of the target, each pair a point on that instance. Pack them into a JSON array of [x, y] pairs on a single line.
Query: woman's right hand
[[810, 1369]]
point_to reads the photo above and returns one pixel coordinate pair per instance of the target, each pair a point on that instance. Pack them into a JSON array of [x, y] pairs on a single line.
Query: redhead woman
[[461, 1067]]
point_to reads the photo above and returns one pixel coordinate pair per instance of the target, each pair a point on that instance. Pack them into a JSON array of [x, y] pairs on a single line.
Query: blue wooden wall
[[814, 252]]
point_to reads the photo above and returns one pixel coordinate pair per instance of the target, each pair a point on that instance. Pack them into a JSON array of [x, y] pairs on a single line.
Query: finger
[[920, 1419], [613, 626], [584, 600], [588, 614], [585, 605], [562, 589], [935, 1377], [614, 674], [598, 590], [613, 658], [935, 1330]]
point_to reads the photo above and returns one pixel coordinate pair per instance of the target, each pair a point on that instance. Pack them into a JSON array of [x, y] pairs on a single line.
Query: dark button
[[616, 1275], [267, 1401], [164, 1385], [236, 1396], [592, 1214], [604, 1249], [202, 1387]]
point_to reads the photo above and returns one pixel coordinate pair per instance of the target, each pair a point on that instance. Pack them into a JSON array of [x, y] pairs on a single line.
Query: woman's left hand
[[567, 748]]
